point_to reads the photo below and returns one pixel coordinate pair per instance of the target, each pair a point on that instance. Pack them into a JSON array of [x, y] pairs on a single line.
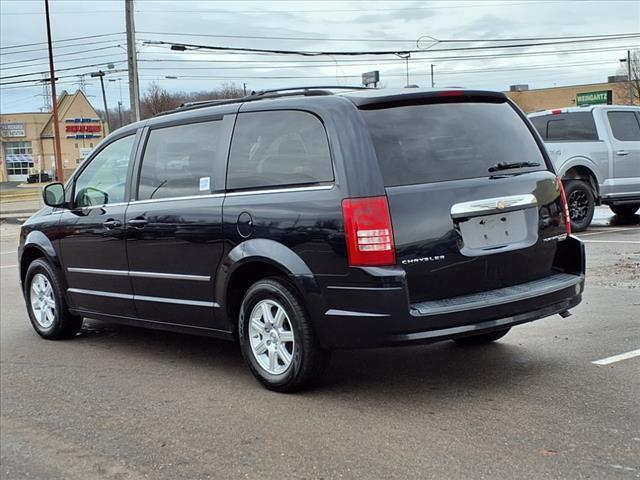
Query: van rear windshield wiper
[[509, 166]]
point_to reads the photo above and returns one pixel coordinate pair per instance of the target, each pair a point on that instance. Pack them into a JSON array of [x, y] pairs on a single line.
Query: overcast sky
[[325, 26]]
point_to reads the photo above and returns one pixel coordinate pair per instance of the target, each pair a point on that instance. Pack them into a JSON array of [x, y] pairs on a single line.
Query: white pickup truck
[[596, 150]]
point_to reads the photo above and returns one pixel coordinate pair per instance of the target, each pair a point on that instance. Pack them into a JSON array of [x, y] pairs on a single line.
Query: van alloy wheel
[[271, 337], [43, 302]]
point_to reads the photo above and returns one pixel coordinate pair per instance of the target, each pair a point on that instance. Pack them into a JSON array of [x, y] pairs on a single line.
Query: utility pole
[[244, 88], [629, 80], [134, 90], [54, 101], [433, 84], [408, 69], [120, 113], [100, 74], [405, 57]]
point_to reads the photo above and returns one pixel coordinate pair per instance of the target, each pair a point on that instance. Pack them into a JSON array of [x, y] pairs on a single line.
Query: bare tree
[[631, 94], [156, 100]]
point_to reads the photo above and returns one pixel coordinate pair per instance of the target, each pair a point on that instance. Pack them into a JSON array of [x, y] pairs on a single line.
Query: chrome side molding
[[144, 298], [131, 273]]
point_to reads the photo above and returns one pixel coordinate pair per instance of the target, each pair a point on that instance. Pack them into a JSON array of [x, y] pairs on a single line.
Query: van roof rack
[[265, 94]]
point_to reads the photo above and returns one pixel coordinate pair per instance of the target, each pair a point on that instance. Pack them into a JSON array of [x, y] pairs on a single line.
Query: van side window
[[178, 161], [103, 180], [624, 126], [577, 126], [278, 148]]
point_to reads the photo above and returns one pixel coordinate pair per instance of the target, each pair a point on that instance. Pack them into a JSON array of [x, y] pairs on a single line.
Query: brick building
[[560, 97]]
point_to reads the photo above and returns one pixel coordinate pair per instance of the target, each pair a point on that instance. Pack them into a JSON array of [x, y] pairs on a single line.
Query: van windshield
[[449, 141]]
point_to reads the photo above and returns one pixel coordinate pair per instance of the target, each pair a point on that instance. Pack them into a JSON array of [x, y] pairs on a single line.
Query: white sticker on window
[[205, 183]]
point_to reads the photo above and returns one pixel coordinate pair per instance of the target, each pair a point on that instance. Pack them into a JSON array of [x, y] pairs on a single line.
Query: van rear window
[[449, 141]]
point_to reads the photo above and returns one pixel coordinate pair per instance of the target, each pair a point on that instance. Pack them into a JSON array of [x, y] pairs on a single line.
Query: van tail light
[[565, 207], [368, 231]]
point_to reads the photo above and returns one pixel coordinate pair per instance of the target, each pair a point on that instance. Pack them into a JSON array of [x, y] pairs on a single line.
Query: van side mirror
[[53, 194]]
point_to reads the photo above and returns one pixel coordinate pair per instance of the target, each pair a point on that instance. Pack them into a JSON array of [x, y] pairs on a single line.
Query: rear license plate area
[[489, 232]]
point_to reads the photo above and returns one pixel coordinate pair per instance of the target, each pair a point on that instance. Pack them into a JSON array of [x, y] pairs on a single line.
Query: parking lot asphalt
[[127, 403]]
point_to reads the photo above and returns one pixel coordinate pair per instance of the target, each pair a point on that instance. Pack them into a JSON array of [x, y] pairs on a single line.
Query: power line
[[298, 77], [304, 62], [58, 70], [83, 44], [58, 56], [325, 39], [329, 65], [185, 46], [61, 40]]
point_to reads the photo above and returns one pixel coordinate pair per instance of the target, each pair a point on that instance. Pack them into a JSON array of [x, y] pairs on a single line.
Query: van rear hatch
[[473, 202]]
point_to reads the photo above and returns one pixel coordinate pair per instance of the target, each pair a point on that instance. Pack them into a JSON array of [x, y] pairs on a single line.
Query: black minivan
[[305, 220]]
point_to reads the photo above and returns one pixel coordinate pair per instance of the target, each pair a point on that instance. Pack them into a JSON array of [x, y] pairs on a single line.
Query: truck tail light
[[368, 231], [565, 207]]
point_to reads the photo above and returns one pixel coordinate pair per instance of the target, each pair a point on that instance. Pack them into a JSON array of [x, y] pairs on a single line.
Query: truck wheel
[[629, 209], [581, 204], [482, 338], [276, 337]]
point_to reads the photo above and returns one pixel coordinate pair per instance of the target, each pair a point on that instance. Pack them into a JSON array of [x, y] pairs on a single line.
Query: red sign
[[82, 128]]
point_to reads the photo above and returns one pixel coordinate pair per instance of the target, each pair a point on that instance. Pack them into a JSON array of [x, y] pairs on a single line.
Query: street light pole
[[100, 74], [433, 84], [54, 101]]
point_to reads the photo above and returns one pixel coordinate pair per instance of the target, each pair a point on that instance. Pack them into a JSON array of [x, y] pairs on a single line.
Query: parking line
[[618, 358], [608, 230], [611, 241], [8, 266], [8, 253]]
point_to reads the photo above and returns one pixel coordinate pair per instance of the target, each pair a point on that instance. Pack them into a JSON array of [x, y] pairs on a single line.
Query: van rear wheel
[[581, 203], [629, 209], [482, 338], [277, 339]]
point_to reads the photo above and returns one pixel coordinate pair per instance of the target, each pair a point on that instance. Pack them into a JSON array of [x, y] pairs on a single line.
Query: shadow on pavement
[[438, 370]]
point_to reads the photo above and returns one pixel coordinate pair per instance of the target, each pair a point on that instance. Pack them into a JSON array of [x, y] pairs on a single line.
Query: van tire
[[628, 209], [60, 323], [483, 338], [581, 202], [308, 360]]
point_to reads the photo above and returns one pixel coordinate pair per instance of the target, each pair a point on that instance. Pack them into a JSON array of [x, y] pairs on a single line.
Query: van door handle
[[111, 224], [137, 222], [622, 153]]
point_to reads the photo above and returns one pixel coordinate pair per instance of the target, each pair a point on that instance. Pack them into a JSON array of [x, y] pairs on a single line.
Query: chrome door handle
[[137, 222], [111, 224], [622, 153]]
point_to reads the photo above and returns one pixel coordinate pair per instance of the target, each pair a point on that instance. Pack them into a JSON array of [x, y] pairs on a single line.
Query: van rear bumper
[[382, 315], [383, 325]]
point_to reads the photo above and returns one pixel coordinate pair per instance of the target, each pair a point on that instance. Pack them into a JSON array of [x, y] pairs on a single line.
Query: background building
[[615, 91], [27, 138]]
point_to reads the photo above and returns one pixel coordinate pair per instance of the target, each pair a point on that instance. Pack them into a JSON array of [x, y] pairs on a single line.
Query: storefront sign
[[602, 97], [82, 127], [13, 129]]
